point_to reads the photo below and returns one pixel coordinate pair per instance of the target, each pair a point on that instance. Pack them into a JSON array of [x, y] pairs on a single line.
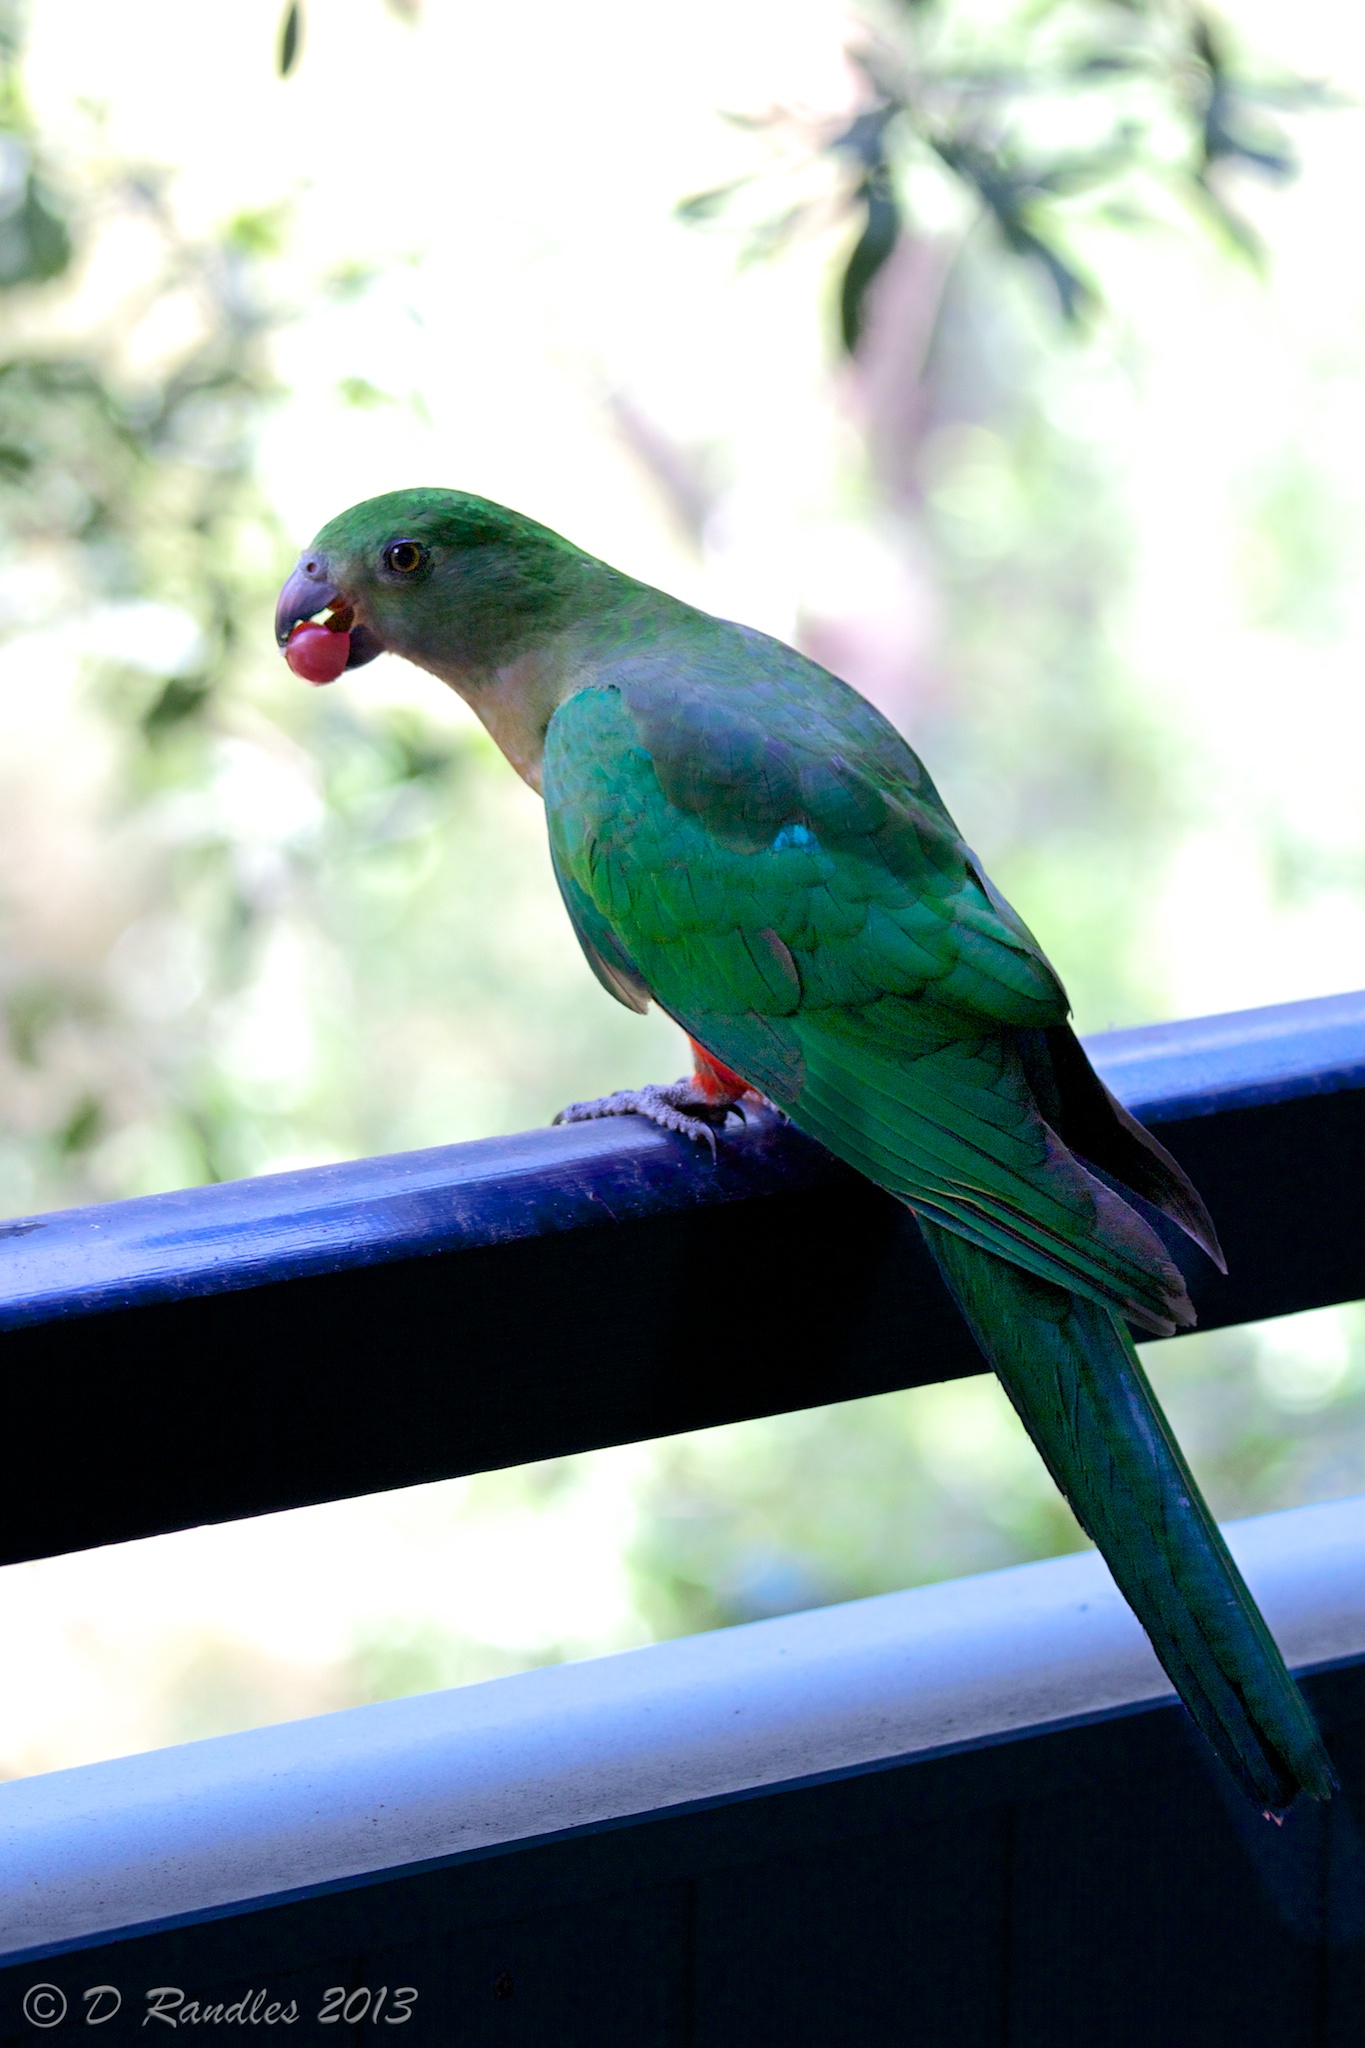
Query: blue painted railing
[[962, 1814], [268, 1343]]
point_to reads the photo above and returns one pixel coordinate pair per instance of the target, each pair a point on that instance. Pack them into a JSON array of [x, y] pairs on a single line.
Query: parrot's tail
[[1070, 1369]]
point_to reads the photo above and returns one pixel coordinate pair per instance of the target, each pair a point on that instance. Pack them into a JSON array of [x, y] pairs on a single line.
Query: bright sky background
[[538, 150]]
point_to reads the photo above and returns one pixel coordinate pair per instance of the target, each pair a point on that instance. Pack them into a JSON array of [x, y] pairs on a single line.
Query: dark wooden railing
[[960, 1814]]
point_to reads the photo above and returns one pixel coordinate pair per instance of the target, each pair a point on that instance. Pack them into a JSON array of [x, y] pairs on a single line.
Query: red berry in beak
[[317, 653]]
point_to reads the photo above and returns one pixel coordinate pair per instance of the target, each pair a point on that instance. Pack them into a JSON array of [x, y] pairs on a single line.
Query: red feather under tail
[[717, 1082]]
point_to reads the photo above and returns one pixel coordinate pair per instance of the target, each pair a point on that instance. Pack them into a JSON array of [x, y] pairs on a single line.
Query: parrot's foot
[[677, 1105]]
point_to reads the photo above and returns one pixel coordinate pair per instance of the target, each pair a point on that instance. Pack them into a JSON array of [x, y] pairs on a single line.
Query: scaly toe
[[677, 1106], [622, 1103]]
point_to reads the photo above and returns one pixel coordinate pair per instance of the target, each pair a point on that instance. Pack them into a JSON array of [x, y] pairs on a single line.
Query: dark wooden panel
[[201, 1410], [885, 1939], [611, 1974], [1139, 1917], [1344, 1908], [1286, 1184]]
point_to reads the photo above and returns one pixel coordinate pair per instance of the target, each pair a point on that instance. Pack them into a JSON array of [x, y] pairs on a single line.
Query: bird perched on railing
[[742, 839]]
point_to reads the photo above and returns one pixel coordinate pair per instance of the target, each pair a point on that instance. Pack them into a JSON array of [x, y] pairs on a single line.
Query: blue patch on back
[[795, 835]]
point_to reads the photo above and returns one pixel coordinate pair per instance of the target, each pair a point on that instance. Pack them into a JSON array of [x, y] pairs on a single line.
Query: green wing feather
[[814, 920], [741, 836]]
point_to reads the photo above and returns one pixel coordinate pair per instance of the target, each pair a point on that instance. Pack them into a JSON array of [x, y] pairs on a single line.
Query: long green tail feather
[[1070, 1369]]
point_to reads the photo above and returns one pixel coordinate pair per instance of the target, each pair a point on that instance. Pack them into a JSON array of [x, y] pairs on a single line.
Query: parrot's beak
[[309, 593]]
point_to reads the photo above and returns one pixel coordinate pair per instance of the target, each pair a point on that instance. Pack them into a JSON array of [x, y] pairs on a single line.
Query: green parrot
[[742, 839]]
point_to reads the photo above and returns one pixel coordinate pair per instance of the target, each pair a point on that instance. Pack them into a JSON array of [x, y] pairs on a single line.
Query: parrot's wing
[[757, 752], [771, 756], [771, 862]]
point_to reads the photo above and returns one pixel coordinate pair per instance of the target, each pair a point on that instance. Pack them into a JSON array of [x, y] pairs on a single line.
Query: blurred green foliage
[[1039, 731], [258, 853], [1040, 121], [120, 487], [840, 1503]]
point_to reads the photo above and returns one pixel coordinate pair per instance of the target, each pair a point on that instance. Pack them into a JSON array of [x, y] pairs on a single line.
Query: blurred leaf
[[1236, 232], [1109, 64], [880, 233], [1006, 191], [752, 124], [291, 38], [35, 243], [364, 396], [183, 697], [30, 1014], [258, 233], [83, 1126], [865, 138], [1080, 173], [703, 206], [350, 281], [772, 235]]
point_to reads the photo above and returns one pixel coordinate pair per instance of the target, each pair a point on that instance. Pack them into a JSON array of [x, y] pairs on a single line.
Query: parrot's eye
[[404, 557]]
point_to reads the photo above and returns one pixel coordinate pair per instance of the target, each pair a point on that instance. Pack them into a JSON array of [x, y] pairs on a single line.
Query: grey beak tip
[[305, 594]]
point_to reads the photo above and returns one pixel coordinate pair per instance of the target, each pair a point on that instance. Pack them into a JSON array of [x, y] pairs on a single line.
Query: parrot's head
[[455, 583]]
